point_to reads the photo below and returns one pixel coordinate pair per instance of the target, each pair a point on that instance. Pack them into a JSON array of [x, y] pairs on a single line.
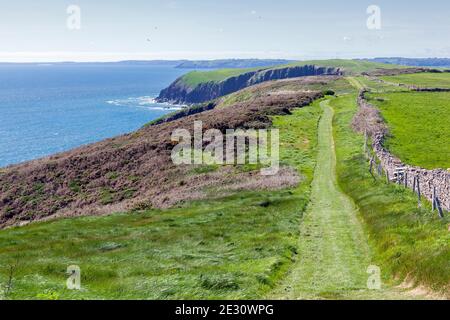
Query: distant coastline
[[240, 63], [181, 64]]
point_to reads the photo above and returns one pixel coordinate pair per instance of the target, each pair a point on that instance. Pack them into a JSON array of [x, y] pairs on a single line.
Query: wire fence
[[407, 177]]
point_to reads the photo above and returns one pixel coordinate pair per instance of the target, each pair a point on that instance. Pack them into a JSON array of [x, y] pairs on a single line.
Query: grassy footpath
[[410, 242], [375, 86], [334, 253], [231, 248], [418, 126]]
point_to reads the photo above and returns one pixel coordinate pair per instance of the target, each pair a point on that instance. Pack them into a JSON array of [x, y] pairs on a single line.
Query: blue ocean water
[[45, 109]]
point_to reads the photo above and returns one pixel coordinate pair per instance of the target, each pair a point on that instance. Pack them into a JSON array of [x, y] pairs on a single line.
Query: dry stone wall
[[428, 179]]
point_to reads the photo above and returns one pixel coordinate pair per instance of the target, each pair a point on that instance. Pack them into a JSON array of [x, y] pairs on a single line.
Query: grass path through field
[[354, 82], [333, 254]]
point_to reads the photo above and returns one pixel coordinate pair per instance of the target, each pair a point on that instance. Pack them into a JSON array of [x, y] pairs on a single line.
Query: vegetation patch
[[75, 186], [112, 175], [200, 169], [106, 196]]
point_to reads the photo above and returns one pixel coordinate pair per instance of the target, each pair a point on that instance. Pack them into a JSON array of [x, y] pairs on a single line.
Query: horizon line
[[116, 57], [212, 59]]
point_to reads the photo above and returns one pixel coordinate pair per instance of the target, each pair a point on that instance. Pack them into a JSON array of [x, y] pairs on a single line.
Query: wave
[[145, 102]]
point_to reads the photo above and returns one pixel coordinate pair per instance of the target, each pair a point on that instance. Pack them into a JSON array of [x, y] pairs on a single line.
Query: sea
[[50, 108]]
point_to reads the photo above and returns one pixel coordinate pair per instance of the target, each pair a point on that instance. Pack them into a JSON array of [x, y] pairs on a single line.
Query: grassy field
[[236, 247], [432, 80], [194, 78], [418, 124], [409, 242], [232, 248], [375, 86], [351, 67]]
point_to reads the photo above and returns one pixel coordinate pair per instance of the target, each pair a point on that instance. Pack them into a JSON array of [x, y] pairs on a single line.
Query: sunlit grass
[[418, 126], [427, 79], [410, 242], [236, 247]]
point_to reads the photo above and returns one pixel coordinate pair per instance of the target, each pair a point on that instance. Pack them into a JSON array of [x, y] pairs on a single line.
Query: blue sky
[[206, 29]]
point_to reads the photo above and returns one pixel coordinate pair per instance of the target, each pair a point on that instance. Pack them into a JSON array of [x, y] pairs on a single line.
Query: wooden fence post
[[372, 160], [418, 192], [437, 204], [406, 179], [365, 141], [433, 200]]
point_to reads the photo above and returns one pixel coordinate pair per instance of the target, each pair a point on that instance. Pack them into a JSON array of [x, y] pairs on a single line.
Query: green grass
[[351, 67], [418, 124], [298, 141], [432, 80], [333, 250], [334, 253], [230, 248], [233, 248], [194, 78], [409, 242]]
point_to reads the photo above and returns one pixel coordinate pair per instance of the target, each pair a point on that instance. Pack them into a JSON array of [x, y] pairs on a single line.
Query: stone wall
[[428, 179]]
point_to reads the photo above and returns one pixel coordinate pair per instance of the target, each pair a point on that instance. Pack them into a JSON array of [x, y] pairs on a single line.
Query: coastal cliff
[[180, 92]]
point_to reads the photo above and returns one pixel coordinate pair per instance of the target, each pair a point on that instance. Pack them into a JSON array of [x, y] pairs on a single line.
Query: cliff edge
[[181, 92]]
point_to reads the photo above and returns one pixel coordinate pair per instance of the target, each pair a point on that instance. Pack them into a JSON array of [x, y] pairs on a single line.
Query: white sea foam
[[145, 102]]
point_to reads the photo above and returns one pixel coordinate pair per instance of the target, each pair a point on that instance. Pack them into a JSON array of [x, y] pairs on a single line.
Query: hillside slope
[[201, 87], [135, 170], [197, 86]]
